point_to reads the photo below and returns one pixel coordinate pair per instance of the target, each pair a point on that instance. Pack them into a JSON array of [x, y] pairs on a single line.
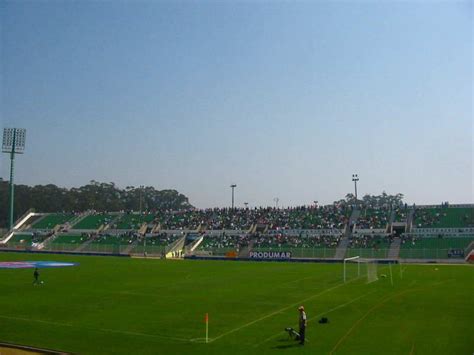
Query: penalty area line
[[377, 305], [319, 315], [380, 304], [282, 310]]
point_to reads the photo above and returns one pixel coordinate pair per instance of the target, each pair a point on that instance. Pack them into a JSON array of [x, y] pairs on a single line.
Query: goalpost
[[365, 268]]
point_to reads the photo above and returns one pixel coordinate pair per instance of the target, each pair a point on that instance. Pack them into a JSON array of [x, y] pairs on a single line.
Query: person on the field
[[36, 276], [302, 323]]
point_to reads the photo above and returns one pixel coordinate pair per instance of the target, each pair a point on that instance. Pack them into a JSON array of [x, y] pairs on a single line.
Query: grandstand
[[373, 218], [434, 248], [335, 232], [94, 221], [444, 217], [367, 246], [52, 220], [66, 242], [21, 239], [132, 221]]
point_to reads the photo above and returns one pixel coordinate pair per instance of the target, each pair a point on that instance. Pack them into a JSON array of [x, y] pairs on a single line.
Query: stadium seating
[[326, 217], [68, 241], [93, 222], [373, 218], [52, 220], [305, 231], [132, 221], [26, 239], [21, 239], [299, 246], [444, 217], [155, 244], [367, 246], [401, 214], [432, 248]]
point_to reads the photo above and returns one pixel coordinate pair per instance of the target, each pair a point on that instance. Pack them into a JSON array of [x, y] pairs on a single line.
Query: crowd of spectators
[[373, 218], [408, 239], [425, 218], [371, 241], [161, 239], [297, 241], [303, 217], [401, 214], [225, 241], [40, 237], [274, 240]]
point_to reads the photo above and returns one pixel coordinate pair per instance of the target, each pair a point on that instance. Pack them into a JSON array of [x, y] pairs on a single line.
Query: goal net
[[357, 267]]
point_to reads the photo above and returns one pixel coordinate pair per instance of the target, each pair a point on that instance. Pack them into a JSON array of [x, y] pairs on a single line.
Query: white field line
[[298, 280], [94, 329], [319, 315], [281, 310], [378, 305]]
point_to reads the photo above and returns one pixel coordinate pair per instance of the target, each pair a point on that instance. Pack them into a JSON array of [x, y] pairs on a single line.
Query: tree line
[[99, 196], [107, 197], [383, 200]]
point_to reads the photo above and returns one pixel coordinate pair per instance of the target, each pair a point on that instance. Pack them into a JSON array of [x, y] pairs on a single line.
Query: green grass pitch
[[111, 305]]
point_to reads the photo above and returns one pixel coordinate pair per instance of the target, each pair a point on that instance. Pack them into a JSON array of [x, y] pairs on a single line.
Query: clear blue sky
[[285, 99]]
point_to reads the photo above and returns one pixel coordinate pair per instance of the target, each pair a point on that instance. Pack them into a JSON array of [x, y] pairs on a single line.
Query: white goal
[[357, 267]]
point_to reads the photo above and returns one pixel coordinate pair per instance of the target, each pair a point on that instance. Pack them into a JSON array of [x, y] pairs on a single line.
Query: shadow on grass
[[288, 344]]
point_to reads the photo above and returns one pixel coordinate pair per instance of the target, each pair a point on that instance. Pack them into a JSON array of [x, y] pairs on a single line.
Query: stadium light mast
[[276, 199], [13, 143], [355, 178], [233, 186], [141, 198]]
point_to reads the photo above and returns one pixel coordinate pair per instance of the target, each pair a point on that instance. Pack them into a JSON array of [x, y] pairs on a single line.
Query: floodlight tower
[[13, 143], [276, 199], [141, 198], [355, 178], [233, 186]]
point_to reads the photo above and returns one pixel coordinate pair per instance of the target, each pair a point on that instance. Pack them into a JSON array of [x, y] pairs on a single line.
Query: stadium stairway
[[129, 247], [49, 239], [469, 252], [112, 222], [190, 248], [342, 248], [411, 215], [77, 219], [176, 247], [391, 219], [81, 247], [156, 228], [245, 251], [142, 230], [345, 241], [352, 222], [19, 224], [394, 250]]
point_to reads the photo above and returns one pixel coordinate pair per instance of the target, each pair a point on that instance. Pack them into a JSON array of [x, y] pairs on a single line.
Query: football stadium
[[231, 280], [237, 177]]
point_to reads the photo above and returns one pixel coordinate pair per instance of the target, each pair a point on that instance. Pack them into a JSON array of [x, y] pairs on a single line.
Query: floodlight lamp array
[[14, 140]]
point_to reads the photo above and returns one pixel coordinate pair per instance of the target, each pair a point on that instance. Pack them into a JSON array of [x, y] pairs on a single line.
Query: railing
[[310, 252], [429, 253], [158, 250], [370, 253]]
